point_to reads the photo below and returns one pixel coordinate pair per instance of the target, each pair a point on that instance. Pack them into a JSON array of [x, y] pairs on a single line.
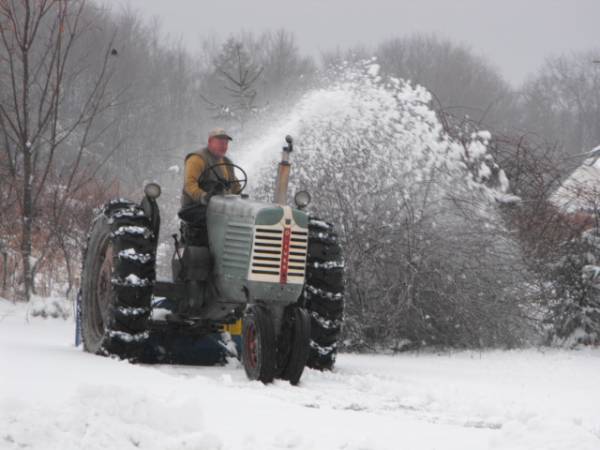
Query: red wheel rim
[[251, 347], [103, 294]]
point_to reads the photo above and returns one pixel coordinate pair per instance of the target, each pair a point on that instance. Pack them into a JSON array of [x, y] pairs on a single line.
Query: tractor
[[271, 274]]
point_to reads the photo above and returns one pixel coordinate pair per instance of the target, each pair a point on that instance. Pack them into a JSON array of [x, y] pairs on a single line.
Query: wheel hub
[[104, 291], [251, 349]]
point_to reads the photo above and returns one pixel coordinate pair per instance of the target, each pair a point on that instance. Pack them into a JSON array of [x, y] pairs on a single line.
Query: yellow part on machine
[[235, 329]]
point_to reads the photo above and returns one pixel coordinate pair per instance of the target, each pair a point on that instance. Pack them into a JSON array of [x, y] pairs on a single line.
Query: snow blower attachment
[[263, 282]]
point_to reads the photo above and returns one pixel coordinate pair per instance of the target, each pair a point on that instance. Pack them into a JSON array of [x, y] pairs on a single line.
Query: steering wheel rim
[[226, 183]]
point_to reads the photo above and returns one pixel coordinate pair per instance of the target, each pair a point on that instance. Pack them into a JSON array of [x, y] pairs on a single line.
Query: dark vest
[[208, 179]]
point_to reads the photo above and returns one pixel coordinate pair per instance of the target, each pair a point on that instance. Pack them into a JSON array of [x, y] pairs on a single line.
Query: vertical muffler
[[283, 173]]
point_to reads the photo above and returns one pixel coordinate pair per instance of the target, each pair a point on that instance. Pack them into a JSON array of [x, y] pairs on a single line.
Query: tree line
[[94, 102]]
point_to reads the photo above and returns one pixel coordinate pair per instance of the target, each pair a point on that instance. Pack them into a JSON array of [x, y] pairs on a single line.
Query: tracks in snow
[[344, 390]]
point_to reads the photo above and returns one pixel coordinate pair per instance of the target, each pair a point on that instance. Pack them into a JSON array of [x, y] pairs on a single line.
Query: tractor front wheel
[[258, 344], [294, 344]]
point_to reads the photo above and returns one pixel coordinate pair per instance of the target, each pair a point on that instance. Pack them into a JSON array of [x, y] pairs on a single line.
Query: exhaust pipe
[[283, 173]]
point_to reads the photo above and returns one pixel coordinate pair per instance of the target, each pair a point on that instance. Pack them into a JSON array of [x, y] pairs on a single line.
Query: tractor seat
[[193, 225]]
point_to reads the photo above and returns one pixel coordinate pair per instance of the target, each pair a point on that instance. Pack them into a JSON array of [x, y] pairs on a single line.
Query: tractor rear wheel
[[258, 344], [323, 293], [116, 282]]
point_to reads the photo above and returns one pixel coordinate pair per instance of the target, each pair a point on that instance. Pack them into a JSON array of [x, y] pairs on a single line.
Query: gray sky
[[515, 35]]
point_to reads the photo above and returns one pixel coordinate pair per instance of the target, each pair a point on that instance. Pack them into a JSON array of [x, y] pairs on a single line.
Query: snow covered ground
[[54, 396]]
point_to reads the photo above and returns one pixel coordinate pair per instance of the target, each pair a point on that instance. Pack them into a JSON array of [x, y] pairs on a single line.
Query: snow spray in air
[[362, 124]]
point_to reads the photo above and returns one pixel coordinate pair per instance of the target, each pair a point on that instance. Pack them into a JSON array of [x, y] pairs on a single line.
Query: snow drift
[[54, 396]]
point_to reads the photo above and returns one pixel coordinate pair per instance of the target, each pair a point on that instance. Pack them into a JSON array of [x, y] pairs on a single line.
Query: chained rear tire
[[323, 293], [116, 282]]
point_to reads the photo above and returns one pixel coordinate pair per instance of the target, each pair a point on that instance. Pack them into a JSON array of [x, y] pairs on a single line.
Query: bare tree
[[462, 82], [48, 108], [562, 102], [286, 71]]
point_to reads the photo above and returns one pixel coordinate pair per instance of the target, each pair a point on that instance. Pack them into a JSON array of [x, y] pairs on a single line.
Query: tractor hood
[[259, 249]]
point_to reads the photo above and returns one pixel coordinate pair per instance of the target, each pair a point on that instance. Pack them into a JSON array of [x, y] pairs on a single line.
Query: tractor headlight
[[152, 190], [302, 199]]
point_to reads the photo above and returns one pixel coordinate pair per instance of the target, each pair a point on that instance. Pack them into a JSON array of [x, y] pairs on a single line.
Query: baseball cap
[[219, 133]]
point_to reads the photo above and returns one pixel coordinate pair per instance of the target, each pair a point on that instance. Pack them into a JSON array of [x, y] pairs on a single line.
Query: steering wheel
[[226, 184]]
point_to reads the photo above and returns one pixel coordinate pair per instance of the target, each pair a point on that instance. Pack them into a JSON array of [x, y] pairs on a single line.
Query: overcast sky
[[515, 35]]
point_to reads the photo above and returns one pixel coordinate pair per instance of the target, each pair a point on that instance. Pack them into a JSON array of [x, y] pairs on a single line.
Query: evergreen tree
[[237, 74], [574, 314]]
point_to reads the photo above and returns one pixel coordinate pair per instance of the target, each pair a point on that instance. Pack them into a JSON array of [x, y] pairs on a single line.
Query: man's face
[[218, 146]]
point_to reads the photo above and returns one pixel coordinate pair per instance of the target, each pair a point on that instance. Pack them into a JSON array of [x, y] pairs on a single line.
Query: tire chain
[[323, 293], [134, 249]]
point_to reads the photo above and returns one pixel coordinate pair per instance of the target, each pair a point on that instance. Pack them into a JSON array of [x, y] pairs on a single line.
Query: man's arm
[[194, 166], [235, 187]]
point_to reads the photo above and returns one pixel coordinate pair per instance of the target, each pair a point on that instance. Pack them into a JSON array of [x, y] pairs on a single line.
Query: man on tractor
[[267, 263], [207, 172]]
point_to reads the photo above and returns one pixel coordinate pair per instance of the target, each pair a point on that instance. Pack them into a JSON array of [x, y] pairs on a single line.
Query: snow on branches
[[428, 258]]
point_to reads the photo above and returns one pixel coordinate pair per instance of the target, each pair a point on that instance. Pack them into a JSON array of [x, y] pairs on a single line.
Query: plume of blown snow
[[390, 119]]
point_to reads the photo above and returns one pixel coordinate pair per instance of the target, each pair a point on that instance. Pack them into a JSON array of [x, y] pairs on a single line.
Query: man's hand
[[204, 199]]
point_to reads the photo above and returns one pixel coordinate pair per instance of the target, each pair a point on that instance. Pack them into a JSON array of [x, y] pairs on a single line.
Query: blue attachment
[[208, 350], [182, 349]]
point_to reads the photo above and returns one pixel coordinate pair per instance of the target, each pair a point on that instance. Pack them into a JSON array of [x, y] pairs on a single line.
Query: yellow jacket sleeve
[[194, 166]]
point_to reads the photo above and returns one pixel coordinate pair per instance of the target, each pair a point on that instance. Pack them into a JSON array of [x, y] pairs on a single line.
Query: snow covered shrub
[[428, 260], [53, 307], [574, 314], [557, 229]]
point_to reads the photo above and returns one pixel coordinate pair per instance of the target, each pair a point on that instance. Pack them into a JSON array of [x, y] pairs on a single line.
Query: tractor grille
[[279, 255], [237, 247]]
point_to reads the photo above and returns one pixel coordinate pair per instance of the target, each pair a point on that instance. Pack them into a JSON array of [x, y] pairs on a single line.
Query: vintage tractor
[[267, 264]]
